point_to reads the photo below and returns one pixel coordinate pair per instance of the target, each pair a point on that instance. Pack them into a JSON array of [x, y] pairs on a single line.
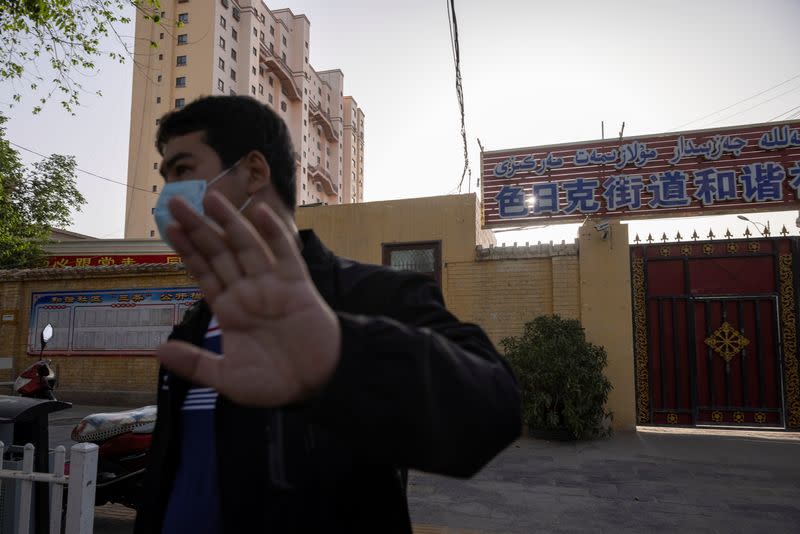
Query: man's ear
[[259, 172]]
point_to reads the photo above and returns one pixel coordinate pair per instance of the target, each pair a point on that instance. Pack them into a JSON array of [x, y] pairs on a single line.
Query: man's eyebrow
[[168, 164]]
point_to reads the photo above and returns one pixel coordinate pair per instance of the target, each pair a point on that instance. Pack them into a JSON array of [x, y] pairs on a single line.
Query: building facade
[[225, 47]]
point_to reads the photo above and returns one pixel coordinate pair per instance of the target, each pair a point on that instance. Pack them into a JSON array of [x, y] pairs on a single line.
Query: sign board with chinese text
[[110, 259], [119, 321], [723, 170]]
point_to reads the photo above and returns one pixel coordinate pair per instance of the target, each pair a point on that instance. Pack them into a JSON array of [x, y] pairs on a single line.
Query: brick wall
[[509, 286]]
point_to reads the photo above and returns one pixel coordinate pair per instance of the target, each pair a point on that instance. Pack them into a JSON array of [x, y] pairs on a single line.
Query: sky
[[534, 73]]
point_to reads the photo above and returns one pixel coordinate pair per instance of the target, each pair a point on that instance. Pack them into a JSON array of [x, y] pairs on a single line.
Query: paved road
[[649, 481]]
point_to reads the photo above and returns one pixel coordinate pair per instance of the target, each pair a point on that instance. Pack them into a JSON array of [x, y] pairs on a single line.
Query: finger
[[191, 362], [197, 266], [281, 241], [250, 250], [207, 240]]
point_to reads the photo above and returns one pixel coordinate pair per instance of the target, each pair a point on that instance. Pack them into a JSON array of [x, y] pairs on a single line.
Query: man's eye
[[180, 170]]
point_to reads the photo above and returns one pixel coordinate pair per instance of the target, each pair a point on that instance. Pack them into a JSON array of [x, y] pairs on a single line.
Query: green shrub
[[561, 376]]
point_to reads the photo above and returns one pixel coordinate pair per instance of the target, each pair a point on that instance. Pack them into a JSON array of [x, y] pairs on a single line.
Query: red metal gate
[[715, 333]]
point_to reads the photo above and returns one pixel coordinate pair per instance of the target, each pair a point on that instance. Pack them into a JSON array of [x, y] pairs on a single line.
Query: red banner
[[110, 259], [735, 169]]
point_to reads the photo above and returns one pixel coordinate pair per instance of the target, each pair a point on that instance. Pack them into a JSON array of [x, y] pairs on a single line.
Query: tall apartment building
[[226, 47]]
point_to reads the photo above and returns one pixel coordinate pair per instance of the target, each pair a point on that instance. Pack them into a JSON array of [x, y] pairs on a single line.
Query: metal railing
[[81, 485]]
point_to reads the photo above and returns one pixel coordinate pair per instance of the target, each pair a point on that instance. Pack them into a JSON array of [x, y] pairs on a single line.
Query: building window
[[181, 61], [260, 89], [221, 63], [283, 40], [159, 78], [260, 36], [233, 75], [424, 258], [155, 165], [180, 102], [233, 54], [272, 30], [253, 89], [183, 18], [220, 85], [160, 57], [254, 71], [304, 187], [283, 56], [233, 93], [236, 13], [183, 1], [152, 233], [270, 81], [234, 34], [255, 32], [224, 3], [271, 49], [152, 211], [283, 106], [269, 97], [180, 81], [183, 39], [155, 188], [158, 99], [306, 45], [222, 43], [306, 59], [223, 22], [260, 71], [161, 36]]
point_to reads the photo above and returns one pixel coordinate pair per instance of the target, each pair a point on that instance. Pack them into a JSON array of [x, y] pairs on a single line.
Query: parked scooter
[[123, 437]]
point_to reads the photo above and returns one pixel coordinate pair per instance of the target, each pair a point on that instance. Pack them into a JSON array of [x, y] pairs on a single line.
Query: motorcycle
[[123, 437]]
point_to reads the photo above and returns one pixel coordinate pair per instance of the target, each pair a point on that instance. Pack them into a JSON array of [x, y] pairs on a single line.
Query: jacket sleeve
[[417, 388]]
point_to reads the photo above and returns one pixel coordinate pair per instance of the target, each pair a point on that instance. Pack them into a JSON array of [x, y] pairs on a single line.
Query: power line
[[736, 104], [757, 105], [785, 113], [85, 171], [451, 17]]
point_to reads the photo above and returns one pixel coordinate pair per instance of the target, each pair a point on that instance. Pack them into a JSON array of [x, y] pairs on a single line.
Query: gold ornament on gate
[[716, 416], [727, 341]]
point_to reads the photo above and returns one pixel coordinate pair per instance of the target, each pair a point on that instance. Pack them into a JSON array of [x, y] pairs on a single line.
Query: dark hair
[[233, 126]]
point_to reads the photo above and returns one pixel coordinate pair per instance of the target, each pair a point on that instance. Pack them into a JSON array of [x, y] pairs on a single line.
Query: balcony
[[317, 174], [282, 71], [321, 118]]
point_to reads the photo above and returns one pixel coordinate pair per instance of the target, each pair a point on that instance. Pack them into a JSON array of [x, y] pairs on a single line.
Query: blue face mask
[[192, 191]]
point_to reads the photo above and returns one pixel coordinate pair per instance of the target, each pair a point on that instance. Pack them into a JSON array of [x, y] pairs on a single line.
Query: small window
[[270, 81], [161, 36], [180, 81], [233, 75], [306, 45], [159, 78], [260, 89], [306, 60], [180, 102], [424, 258], [254, 51], [223, 22], [304, 187], [254, 71], [234, 34], [183, 1], [272, 49], [253, 89], [184, 18], [158, 99], [220, 85], [236, 13], [155, 165], [222, 43], [255, 32], [152, 211], [155, 188], [160, 57], [224, 3], [272, 30], [181, 61], [283, 56], [233, 93], [283, 40], [283, 106], [221, 63], [233, 54], [269, 97], [152, 233], [183, 39], [260, 70], [260, 36]]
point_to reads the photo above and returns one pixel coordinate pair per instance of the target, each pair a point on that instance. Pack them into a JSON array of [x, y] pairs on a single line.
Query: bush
[[561, 376]]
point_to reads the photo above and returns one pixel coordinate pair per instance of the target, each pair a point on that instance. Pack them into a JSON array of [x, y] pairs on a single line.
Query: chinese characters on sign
[[128, 321], [109, 260], [724, 169]]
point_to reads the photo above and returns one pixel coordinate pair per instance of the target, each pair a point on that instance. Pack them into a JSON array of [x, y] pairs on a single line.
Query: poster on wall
[[723, 170], [119, 321]]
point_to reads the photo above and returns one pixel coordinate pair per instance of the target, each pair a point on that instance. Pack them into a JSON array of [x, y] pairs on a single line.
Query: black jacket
[[415, 388]]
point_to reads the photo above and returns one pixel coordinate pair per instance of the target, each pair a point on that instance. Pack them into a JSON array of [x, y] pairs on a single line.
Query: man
[[336, 376]]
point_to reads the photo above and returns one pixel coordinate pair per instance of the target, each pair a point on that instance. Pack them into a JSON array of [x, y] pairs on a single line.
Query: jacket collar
[[321, 264]]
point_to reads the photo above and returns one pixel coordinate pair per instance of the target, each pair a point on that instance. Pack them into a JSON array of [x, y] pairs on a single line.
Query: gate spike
[[637, 240], [695, 236], [728, 233], [784, 231], [766, 233], [649, 238], [711, 234], [747, 232], [664, 237], [678, 237]]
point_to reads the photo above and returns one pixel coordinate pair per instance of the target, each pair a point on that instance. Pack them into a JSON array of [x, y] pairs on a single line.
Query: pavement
[[652, 480]]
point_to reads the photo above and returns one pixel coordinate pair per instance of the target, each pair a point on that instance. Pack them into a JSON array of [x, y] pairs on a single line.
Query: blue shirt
[[194, 506]]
